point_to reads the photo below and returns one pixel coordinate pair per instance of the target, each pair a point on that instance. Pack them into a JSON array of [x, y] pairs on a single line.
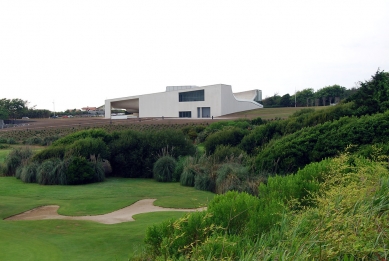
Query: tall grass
[[29, 172], [348, 218], [46, 174], [163, 169], [16, 158]]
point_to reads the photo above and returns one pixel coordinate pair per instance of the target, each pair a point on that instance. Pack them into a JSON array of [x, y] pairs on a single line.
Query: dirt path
[[119, 216]]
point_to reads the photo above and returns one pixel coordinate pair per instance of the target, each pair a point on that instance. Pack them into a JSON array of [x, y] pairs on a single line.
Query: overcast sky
[[79, 53]]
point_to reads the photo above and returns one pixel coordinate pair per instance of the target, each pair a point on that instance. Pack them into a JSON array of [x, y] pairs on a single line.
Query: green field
[[84, 240], [272, 113]]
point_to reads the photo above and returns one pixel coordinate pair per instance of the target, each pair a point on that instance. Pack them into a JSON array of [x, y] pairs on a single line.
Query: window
[[191, 96], [185, 114]]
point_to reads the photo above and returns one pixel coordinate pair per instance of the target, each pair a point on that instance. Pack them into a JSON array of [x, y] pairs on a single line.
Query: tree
[[303, 97], [17, 107], [329, 93], [273, 101], [285, 100], [3, 114], [373, 95]]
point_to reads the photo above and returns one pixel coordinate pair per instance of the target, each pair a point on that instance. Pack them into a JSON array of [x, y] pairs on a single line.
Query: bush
[[133, 153], [188, 175], [49, 140], [233, 211], [312, 144], [179, 169], [258, 121], [11, 141], [79, 171], [92, 133], [229, 136], [46, 172], [33, 141], [231, 176], [87, 147], [29, 173], [4, 146], [15, 159], [164, 167], [226, 152], [50, 152], [205, 181], [98, 167], [3, 140]]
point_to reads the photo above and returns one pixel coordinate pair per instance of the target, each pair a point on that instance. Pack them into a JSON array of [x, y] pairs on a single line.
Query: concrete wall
[[231, 105], [166, 103]]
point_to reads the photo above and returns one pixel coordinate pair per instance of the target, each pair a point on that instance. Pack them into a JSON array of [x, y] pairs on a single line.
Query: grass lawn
[[272, 113], [84, 240]]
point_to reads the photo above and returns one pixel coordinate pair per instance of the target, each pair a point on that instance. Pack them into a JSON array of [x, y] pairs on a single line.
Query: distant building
[[188, 102], [89, 109]]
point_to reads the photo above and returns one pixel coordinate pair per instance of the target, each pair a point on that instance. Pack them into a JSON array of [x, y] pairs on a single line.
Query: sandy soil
[[119, 216]]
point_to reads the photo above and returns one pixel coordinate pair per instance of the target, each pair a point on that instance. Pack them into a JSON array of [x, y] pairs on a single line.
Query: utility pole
[[295, 97]]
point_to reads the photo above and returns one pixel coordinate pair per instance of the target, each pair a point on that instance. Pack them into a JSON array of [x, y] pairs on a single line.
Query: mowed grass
[[85, 240], [272, 113]]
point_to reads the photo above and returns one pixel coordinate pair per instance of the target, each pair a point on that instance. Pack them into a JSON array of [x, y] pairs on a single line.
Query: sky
[[70, 54]]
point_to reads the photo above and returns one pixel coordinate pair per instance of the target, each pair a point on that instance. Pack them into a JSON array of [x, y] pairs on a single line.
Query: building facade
[[188, 102]]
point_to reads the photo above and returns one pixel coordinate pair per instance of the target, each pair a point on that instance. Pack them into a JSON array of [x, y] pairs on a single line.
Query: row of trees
[[308, 97], [17, 108]]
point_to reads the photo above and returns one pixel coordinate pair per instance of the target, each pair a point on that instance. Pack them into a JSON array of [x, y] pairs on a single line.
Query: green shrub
[[313, 144], [205, 181], [19, 171], [258, 121], [226, 152], [87, 147], [188, 174], [230, 136], [168, 241], [233, 211], [11, 141], [3, 140], [133, 153], [164, 167], [4, 146], [50, 152], [179, 169], [33, 141], [60, 172], [98, 168], [46, 172], [48, 140], [16, 158], [79, 171], [231, 176], [92, 133], [29, 173]]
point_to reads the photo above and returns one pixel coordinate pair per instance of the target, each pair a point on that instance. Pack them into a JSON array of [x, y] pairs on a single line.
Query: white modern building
[[188, 102]]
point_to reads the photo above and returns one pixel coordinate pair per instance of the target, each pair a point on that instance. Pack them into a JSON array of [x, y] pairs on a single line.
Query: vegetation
[[164, 168], [238, 226], [85, 240], [286, 185]]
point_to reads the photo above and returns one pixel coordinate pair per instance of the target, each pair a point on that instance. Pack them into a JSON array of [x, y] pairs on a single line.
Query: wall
[[231, 105], [166, 103]]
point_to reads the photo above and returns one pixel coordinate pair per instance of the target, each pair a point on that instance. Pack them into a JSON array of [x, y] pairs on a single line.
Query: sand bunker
[[119, 216]]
